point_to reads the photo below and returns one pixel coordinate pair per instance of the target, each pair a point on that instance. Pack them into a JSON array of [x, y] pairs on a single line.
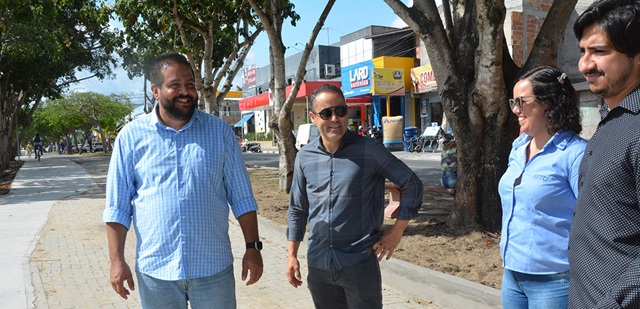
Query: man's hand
[[120, 272], [293, 272], [390, 240], [252, 264]]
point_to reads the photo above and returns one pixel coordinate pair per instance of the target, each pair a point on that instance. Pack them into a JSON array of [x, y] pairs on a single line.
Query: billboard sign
[[388, 81], [423, 80], [357, 80]]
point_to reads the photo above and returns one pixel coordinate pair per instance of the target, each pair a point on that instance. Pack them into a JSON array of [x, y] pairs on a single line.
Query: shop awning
[[243, 120], [306, 89], [254, 101]]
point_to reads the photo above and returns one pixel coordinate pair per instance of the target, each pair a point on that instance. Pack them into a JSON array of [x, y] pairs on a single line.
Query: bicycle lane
[[24, 211]]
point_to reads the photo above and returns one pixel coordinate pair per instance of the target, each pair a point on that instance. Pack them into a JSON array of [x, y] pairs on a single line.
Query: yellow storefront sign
[[388, 82], [423, 80]]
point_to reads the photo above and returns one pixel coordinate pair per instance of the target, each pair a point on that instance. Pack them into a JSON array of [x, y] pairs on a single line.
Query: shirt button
[[590, 152]]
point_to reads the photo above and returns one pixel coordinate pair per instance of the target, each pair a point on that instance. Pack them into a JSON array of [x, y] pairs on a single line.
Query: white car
[[97, 146]]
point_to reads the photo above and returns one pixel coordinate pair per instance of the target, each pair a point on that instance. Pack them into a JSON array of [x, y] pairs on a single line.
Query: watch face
[[258, 245]]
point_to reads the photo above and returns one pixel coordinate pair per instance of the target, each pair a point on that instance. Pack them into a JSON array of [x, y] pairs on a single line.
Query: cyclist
[[37, 145]]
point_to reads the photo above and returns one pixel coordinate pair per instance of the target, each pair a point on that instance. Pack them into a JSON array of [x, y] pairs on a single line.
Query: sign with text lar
[[357, 80]]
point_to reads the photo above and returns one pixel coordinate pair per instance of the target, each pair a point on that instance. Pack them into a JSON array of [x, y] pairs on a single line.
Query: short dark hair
[[159, 63], [326, 88], [551, 86], [620, 19]]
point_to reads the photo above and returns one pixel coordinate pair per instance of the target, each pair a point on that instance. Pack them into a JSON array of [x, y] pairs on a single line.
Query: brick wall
[[525, 26]]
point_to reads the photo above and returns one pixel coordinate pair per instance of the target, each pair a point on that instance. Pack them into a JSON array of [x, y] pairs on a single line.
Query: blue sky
[[344, 18]]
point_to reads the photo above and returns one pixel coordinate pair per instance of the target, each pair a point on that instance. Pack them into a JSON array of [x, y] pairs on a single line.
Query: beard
[[176, 112]]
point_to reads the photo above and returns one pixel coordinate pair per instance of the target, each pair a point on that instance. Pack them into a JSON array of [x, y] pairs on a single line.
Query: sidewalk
[[55, 253]]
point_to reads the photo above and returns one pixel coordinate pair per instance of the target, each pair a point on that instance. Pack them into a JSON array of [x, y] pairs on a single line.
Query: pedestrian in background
[[175, 174], [539, 190], [604, 247], [338, 189], [449, 165]]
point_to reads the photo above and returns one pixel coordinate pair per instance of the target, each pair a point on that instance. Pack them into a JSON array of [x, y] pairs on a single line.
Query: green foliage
[[43, 43], [259, 136], [82, 112]]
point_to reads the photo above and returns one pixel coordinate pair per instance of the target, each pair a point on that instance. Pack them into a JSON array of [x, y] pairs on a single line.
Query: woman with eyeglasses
[[539, 191]]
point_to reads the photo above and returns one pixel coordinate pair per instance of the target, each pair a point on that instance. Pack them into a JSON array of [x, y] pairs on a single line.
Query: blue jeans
[[520, 290], [449, 178], [217, 291], [355, 286]]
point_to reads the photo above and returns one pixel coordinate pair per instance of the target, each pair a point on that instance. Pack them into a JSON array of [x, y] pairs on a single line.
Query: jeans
[[449, 178], [520, 290], [355, 286], [217, 291]]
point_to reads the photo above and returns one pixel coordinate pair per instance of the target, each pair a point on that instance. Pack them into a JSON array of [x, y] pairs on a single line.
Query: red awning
[[306, 89], [254, 101]]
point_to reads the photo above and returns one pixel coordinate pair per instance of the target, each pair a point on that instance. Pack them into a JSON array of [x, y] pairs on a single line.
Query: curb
[[416, 281]]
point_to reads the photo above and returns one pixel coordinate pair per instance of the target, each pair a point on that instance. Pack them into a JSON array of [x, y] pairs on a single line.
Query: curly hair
[[551, 86]]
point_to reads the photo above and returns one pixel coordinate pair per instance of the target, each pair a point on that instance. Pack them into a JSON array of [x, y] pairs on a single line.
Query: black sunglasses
[[326, 113]]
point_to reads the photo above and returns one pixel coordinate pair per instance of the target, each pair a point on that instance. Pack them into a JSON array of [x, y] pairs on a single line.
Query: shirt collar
[[631, 103], [348, 138], [560, 140]]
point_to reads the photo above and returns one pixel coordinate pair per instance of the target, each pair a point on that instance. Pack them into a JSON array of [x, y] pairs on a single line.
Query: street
[[426, 165]]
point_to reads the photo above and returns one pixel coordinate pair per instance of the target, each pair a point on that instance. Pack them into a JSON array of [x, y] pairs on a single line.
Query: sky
[[345, 17]]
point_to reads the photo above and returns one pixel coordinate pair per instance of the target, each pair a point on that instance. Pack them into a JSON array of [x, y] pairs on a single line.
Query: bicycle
[[38, 152]]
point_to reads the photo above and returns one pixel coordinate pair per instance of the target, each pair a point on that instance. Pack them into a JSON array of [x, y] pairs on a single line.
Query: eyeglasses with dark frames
[[327, 113], [518, 101]]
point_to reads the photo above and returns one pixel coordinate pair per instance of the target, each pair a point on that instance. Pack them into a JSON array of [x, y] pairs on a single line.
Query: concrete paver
[[57, 255]]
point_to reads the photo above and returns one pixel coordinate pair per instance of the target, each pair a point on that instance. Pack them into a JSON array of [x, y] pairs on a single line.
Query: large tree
[[216, 37], [475, 74], [43, 43], [272, 13]]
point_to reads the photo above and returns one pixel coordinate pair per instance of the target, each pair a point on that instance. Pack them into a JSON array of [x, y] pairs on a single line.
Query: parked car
[[86, 148], [97, 146], [306, 133]]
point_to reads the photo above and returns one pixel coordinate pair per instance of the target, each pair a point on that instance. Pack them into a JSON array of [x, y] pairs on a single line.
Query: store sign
[[249, 76], [423, 80], [357, 81], [359, 77], [388, 82]]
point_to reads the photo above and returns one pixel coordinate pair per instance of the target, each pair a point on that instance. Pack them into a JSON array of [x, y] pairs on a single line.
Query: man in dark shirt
[[338, 187], [604, 244]]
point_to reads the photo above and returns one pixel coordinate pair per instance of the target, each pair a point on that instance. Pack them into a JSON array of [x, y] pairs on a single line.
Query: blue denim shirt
[[537, 212], [177, 188], [342, 197]]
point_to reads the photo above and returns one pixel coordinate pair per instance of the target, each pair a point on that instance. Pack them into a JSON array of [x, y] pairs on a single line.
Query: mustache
[[184, 97], [598, 72]]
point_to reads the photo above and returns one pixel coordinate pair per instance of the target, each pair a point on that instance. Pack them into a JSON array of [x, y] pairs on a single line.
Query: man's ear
[[312, 116], [155, 90]]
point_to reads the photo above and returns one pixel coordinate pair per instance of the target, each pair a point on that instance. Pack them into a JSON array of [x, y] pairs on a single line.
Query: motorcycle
[[250, 146]]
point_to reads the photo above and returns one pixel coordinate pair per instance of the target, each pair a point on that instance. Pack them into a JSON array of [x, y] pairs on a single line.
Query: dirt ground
[[427, 241]]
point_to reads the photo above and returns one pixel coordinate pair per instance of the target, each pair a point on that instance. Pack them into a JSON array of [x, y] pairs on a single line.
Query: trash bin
[[409, 133]]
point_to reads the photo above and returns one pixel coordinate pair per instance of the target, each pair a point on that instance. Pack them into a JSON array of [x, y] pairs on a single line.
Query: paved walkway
[[55, 250]]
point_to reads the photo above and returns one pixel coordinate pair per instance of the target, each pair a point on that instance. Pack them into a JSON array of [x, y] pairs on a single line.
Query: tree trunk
[[475, 75]]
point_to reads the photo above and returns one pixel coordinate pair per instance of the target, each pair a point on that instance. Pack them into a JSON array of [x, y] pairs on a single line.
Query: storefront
[[379, 85], [424, 93]]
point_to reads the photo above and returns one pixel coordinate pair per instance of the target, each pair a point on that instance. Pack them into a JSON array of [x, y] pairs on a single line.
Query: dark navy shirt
[[342, 197], [604, 242]]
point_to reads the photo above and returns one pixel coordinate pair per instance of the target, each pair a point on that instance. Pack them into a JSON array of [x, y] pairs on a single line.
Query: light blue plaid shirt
[[176, 187]]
